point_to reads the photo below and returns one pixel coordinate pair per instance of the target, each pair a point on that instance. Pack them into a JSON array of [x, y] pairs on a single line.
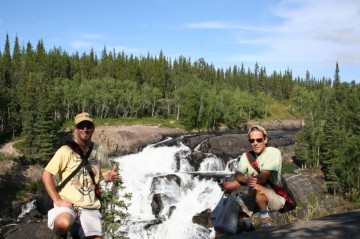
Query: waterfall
[[154, 171], [26, 208]]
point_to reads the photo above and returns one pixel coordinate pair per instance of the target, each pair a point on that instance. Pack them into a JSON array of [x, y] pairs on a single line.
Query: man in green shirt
[[260, 197]]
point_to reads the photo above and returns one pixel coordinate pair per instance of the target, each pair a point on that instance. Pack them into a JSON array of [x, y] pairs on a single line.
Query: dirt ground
[[8, 149]]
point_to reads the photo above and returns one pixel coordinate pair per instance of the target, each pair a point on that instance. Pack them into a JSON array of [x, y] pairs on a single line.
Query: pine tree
[[334, 133]]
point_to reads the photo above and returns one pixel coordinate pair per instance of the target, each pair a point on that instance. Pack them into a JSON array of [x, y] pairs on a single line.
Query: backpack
[[284, 190]]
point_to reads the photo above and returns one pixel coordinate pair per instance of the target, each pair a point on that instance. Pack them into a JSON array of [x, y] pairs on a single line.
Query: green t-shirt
[[270, 159], [80, 189]]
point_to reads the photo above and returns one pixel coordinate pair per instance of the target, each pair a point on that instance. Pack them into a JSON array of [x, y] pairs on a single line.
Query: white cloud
[[94, 36], [209, 25], [313, 33], [340, 36], [80, 44], [120, 48], [217, 25]]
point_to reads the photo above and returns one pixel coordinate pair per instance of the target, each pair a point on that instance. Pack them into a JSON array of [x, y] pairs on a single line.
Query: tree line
[[40, 90]]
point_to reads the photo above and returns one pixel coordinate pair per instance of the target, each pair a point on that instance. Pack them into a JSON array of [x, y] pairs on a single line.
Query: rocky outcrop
[[231, 144], [279, 124], [122, 140]]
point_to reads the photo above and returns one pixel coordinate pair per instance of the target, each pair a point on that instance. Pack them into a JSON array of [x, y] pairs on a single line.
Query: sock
[[264, 213]]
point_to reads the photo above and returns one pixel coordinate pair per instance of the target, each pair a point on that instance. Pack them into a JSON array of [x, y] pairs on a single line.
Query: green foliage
[[289, 168], [114, 207], [23, 190], [320, 205], [39, 125], [330, 140]]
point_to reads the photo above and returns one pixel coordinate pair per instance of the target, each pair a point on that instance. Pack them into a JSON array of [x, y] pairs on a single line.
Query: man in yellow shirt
[[78, 199]]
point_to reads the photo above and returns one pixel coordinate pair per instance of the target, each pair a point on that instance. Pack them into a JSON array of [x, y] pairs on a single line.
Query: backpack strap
[[92, 175], [76, 148], [251, 156], [85, 162], [283, 191], [63, 183]]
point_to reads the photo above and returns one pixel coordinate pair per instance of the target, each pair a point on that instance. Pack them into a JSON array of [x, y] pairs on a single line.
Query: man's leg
[[267, 199], [262, 200], [91, 223], [60, 220]]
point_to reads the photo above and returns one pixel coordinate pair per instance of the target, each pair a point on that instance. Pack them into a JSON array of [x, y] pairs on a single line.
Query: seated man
[[78, 198], [260, 197]]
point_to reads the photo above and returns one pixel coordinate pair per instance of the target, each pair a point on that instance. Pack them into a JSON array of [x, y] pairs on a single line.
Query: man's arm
[[48, 181], [243, 180], [263, 176], [240, 180]]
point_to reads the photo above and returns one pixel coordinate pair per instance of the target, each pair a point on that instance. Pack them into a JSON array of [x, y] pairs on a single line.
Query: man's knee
[[260, 197], [63, 223]]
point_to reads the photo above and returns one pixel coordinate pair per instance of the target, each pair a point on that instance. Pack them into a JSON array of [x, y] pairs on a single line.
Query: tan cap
[[257, 128], [83, 117]]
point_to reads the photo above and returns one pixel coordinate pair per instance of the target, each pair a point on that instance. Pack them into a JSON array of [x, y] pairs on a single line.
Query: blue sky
[[297, 34]]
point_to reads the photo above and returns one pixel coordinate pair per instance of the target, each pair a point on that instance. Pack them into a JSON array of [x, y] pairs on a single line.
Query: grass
[[289, 168], [170, 123], [281, 110]]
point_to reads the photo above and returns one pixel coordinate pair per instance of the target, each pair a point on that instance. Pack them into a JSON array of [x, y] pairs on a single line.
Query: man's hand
[[113, 175], [251, 181], [230, 186], [64, 203]]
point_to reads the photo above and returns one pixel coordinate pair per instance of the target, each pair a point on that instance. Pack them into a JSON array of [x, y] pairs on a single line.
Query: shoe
[[266, 222], [244, 226], [252, 228]]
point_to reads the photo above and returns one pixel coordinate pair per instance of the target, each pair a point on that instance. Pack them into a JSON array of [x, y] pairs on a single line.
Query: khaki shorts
[[90, 220], [248, 205]]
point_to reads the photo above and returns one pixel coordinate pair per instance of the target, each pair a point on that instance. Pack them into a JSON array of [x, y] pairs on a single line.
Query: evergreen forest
[[40, 90]]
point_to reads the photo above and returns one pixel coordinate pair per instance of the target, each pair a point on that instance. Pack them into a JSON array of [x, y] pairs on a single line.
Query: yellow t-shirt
[[80, 189]]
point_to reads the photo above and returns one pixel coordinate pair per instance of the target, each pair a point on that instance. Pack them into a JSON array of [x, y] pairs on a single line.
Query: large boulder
[[232, 144]]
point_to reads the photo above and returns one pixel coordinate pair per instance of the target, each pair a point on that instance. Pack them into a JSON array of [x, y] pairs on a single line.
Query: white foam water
[[191, 197]]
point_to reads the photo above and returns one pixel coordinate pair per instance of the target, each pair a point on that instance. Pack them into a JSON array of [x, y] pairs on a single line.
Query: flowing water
[[143, 175]]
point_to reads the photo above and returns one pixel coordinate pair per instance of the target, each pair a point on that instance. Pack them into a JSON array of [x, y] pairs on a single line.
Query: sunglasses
[[260, 140], [84, 124]]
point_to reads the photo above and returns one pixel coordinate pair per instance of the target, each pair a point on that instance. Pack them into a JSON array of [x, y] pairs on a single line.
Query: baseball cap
[[83, 117], [258, 128]]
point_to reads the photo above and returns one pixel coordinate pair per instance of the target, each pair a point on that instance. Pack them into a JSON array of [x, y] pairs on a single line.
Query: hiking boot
[[266, 222], [245, 226], [252, 228]]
